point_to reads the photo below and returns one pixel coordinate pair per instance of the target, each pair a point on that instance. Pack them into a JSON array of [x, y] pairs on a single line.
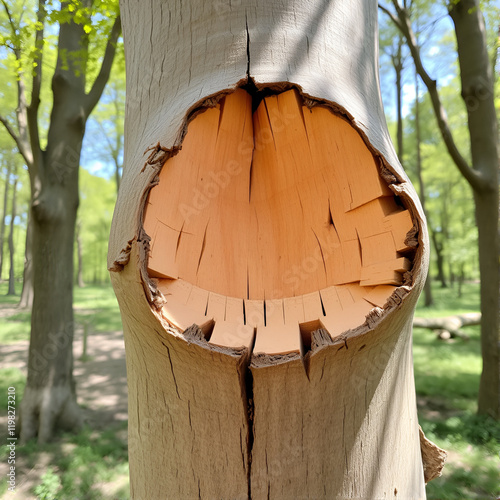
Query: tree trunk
[[478, 94], [12, 285], [4, 213], [397, 62], [438, 246], [487, 223], [79, 272], [26, 301], [50, 400], [257, 365], [428, 282]]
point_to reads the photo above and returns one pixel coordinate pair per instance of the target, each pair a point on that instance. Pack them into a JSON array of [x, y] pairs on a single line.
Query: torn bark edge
[[433, 458], [158, 156]]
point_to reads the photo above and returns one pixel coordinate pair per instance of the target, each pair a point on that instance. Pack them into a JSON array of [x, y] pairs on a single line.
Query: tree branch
[[97, 89], [402, 21], [19, 143], [32, 109], [392, 17]]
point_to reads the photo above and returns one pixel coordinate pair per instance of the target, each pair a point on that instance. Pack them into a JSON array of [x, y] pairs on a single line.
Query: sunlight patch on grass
[[11, 377], [94, 306]]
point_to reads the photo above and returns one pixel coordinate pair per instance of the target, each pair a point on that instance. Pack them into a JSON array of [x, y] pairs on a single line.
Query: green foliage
[[97, 200], [49, 487], [448, 197]]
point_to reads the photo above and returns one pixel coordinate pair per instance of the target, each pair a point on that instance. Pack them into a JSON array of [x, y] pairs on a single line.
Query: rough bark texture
[[433, 458], [209, 422]]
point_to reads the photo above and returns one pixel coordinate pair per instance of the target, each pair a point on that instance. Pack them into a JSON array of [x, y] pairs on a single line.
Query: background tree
[[476, 74], [77, 84]]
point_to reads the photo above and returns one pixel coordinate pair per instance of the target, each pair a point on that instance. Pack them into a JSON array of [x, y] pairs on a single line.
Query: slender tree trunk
[[117, 175], [487, 223], [26, 301], [12, 284], [418, 163], [438, 247], [333, 416], [478, 94], [398, 68], [4, 213], [79, 274]]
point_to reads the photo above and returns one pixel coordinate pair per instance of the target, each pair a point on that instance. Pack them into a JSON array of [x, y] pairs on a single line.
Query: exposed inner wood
[[271, 223]]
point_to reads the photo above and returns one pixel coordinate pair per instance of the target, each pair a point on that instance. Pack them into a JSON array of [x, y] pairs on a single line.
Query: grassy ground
[[447, 381], [93, 464]]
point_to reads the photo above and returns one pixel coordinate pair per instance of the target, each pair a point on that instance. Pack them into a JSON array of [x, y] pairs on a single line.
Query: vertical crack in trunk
[[246, 383], [248, 48]]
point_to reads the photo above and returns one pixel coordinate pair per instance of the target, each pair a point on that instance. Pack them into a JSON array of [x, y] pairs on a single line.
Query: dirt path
[[101, 387], [101, 381]]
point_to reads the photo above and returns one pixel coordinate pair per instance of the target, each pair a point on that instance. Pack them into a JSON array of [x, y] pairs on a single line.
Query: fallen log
[[449, 326]]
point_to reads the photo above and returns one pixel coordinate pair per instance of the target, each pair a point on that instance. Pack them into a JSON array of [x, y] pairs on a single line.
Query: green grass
[[447, 302], [93, 305], [11, 377], [90, 465], [447, 382], [98, 306]]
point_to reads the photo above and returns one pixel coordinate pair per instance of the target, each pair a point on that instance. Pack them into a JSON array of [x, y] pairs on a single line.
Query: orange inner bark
[[276, 221]]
